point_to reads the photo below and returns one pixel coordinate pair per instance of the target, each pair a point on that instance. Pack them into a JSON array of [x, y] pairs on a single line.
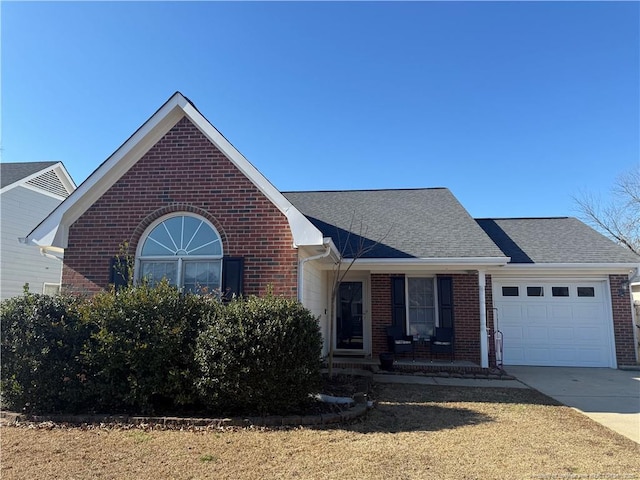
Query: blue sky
[[514, 106]]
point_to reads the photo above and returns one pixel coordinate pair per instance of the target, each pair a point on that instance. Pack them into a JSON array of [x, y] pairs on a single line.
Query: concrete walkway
[[610, 397], [449, 381]]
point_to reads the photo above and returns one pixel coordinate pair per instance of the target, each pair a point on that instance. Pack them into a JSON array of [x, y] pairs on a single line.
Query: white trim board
[[53, 231]]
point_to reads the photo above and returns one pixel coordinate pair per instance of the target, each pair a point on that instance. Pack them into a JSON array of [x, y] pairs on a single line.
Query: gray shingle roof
[[553, 240], [415, 223], [13, 172]]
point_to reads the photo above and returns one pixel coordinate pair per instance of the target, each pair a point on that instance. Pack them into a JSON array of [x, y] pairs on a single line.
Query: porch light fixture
[[624, 288]]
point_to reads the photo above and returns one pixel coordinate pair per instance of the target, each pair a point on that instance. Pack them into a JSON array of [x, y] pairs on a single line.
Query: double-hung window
[[421, 306], [184, 249]]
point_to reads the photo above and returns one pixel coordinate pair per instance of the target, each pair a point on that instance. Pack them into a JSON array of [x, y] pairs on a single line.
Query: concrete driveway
[[610, 397]]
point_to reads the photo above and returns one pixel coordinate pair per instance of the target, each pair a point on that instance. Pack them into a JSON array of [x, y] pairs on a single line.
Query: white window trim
[[179, 258], [436, 322], [46, 285]]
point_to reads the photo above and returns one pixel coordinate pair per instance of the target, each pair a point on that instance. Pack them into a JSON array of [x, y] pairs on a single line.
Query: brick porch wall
[[622, 321], [184, 172], [380, 311], [466, 315]]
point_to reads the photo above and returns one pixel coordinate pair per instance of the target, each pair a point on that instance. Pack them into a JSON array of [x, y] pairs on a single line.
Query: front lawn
[[415, 432]]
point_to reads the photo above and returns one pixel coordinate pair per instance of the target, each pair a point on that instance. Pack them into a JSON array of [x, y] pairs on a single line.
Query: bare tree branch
[[363, 247], [619, 218]]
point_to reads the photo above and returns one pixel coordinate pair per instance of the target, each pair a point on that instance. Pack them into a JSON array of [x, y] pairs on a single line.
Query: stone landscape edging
[[348, 415], [358, 408]]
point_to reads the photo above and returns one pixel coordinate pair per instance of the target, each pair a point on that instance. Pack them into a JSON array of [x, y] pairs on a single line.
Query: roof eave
[[60, 170], [53, 230], [443, 264], [569, 268], [303, 231]]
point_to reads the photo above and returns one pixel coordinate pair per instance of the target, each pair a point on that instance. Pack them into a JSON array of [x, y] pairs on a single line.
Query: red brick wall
[[380, 311], [466, 317], [184, 172], [622, 321], [466, 313]]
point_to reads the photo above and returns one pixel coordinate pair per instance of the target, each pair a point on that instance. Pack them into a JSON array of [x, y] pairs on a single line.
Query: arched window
[[184, 249]]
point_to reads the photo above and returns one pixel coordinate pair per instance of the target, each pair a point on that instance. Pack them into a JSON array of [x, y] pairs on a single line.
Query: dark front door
[[349, 321]]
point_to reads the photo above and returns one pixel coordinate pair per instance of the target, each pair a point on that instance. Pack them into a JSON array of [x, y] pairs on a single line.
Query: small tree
[[619, 218], [353, 247]]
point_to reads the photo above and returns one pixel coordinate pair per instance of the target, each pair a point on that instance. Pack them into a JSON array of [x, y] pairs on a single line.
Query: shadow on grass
[[395, 418], [410, 408]]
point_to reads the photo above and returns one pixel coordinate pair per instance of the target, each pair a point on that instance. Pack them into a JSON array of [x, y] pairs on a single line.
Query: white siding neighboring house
[[29, 192]]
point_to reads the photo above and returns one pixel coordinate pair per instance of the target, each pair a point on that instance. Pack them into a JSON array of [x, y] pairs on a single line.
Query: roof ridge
[[43, 162], [366, 190], [524, 218]]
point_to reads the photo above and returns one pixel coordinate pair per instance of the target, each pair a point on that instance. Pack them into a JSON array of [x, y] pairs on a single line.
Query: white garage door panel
[[561, 311], [588, 335], [554, 331], [561, 335], [535, 335], [536, 312]]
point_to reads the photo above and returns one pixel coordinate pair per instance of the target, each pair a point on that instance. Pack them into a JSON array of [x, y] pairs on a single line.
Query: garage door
[[554, 323]]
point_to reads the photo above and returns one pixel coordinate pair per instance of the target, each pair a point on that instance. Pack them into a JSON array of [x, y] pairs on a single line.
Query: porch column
[[484, 340]]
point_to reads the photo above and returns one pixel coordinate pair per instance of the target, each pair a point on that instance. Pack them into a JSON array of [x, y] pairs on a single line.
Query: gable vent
[[49, 182]]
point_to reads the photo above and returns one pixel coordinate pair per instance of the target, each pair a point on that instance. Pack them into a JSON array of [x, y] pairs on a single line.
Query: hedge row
[[153, 350]]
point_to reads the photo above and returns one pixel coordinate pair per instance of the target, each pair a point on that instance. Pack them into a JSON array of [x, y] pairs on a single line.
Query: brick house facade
[[184, 172], [177, 163]]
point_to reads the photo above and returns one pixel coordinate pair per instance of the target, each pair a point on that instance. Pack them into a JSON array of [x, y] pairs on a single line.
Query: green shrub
[[259, 355], [142, 351], [150, 350], [41, 342]]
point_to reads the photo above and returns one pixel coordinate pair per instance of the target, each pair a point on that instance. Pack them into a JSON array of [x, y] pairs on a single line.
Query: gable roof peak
[[53, 230], [48, 176]]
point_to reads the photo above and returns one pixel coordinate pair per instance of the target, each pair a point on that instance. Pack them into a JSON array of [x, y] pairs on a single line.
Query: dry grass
[[416, 432]]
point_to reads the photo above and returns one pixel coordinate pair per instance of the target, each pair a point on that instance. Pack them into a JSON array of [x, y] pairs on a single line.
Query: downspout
[[301, 270], [484, 340]]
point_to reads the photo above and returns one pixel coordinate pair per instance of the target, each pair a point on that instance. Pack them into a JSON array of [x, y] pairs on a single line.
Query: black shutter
[[398, 308], [119, 272], [232, 275], [445, 301]]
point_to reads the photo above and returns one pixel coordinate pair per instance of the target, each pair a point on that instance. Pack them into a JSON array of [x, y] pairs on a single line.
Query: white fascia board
[[60, 172], [64, 177], [53, 231], [408, 264], [564, 269], [24, 180], [326, 262], [303, 231], [58, 167]]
